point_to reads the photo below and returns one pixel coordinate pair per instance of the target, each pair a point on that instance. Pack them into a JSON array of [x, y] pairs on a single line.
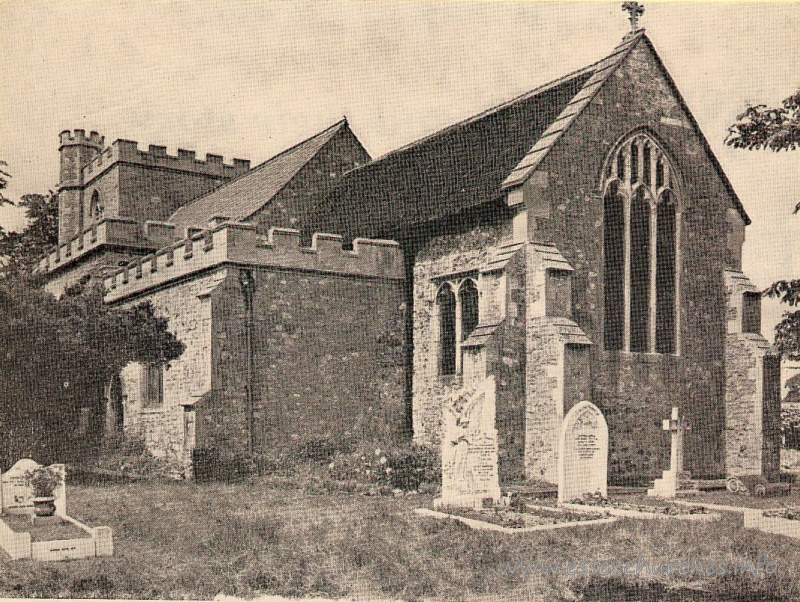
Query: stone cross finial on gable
[[635, 10]]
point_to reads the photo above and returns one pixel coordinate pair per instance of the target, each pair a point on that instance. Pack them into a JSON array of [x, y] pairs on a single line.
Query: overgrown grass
[[188, 540]]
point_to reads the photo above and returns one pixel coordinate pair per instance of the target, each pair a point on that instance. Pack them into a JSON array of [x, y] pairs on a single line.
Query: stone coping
[[18, 545], [754, 519], [622, 513], [485, 526], [240, 244]]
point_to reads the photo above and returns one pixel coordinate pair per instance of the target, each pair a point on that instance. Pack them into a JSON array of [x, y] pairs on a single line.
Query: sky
[[249, 79]]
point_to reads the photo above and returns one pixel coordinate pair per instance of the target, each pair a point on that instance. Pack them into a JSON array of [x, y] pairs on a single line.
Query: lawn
[[189, 540]]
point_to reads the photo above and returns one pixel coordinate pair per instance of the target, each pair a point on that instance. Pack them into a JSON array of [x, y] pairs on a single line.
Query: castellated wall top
[[109, 231], [156, 156], [239, 244], [67, 138]]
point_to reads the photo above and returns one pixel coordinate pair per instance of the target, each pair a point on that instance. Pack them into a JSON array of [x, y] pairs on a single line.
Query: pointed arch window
[[457, 307], [446, 309], [641, 229], [468, 296]]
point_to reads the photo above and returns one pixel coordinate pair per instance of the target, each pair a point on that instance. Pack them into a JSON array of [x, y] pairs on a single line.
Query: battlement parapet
[[109, 231], [156, 156], [68, 138], [239, 244]]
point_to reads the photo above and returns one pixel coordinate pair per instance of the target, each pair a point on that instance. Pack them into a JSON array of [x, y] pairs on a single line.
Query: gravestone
[[582, 453], [667, 486], [16, 496], [469, 449]]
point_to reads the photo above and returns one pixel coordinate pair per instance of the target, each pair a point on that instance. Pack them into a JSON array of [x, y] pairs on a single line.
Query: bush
[[128, 454], [322, 449], [406, 466]]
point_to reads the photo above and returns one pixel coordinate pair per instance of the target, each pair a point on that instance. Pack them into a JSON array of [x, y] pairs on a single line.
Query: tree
[[57, 357], [4, 175], [762, 127], [21, 250]]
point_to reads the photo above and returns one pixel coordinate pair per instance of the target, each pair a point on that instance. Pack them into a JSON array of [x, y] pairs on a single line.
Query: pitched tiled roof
[[447, 172], [473, 162], [242, 197]]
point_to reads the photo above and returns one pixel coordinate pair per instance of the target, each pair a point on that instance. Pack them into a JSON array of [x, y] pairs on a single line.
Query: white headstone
[[16, 496], [469, 449], [583, 453]]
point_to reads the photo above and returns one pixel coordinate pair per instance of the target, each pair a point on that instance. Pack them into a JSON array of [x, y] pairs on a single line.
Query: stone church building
[[579, 242]]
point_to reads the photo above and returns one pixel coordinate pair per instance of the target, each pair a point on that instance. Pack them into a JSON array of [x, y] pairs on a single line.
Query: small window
[[469, 308], [152, 385], [751, 312], [96, 208], [446, 307]]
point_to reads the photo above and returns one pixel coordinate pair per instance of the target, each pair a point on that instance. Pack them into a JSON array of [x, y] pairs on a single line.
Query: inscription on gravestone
[[583, 453], [16, 495]]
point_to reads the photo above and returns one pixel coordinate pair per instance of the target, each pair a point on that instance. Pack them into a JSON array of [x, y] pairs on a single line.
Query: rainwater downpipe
[[248, 285]]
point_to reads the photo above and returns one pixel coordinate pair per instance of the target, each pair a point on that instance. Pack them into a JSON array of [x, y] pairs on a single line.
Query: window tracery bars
[[638, 186], [446, 309]]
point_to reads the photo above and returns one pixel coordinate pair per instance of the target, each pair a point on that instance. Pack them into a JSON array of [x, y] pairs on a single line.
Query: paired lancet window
[[457, 308], [641, 232]]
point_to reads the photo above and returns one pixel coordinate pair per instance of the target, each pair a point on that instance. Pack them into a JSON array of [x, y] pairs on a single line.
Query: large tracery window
[[458, 317], [641, 237]]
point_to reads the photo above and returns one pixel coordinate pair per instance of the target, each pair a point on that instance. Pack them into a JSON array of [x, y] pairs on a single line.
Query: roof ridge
[[332, 129], [336, 125], [486, 112]]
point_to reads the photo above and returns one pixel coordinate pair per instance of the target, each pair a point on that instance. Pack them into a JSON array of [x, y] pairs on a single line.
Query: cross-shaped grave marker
[[667, 485]]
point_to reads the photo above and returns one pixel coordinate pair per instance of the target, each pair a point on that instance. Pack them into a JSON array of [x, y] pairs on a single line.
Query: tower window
[[96, 208]]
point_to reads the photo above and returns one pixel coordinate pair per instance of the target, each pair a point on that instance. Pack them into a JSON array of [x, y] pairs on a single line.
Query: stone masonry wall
[[187, 307], [95, 265], [154, 194], [635, 391], [442, 255], [743, 397], [501, 304], [328, 357]]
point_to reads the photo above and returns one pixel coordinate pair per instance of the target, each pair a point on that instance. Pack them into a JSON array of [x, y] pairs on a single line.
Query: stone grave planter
[[44, 506], [16, 499]]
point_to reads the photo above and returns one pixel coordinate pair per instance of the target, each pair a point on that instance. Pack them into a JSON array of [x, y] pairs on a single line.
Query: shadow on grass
[[728, 589]]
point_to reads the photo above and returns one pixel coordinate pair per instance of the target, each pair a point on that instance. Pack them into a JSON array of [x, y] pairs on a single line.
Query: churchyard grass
[[275, 536]]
